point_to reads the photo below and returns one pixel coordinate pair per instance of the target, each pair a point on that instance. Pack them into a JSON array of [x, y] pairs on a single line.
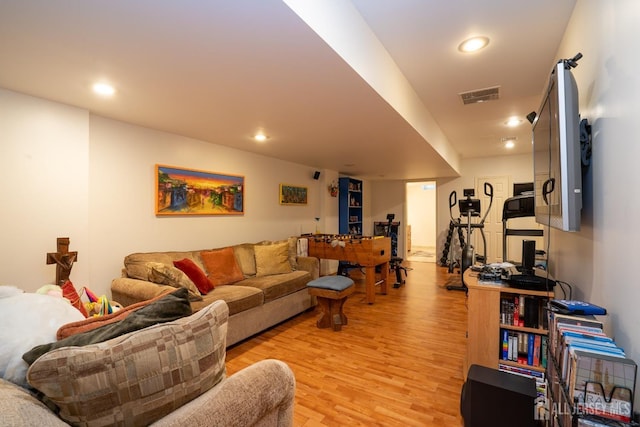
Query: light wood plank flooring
[[398, 362]]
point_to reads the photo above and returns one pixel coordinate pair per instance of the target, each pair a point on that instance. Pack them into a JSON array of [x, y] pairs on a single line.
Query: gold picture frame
[[293, 195], [182, 191]]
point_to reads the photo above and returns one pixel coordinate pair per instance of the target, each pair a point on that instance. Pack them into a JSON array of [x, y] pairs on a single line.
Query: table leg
[[384, 277], [370, 283]]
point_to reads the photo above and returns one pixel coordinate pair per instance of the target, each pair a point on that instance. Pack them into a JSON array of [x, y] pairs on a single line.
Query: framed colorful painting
[[182, 191], [293, 195]]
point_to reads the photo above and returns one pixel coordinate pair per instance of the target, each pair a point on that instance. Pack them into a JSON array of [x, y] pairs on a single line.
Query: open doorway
[[421, 221]]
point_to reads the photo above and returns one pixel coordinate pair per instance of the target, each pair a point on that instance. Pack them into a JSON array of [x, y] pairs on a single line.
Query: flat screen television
[[556, 153]]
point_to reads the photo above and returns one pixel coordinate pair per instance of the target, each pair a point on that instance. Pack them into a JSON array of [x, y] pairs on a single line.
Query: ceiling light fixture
[[473, 44], [260, 137], [104, 89], [513, 122], [509, 141]]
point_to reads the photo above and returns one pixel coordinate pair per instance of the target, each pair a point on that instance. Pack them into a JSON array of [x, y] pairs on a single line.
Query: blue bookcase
[[350, 206]]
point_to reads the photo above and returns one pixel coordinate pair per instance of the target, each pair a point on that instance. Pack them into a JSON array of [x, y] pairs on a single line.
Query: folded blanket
[[168, 308]]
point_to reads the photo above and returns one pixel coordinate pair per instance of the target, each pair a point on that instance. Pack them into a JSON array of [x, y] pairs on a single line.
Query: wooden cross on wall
[[63, 259]]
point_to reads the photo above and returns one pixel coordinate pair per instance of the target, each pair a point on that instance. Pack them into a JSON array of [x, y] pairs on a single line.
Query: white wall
[[44, 153], [600, 260], [69, 174]]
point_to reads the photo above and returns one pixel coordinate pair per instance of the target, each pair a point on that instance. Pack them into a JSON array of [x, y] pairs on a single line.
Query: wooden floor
[[398, 362]]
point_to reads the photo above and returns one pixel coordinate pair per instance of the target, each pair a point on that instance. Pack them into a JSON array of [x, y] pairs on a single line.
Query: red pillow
[[70, 293], [196, 275]]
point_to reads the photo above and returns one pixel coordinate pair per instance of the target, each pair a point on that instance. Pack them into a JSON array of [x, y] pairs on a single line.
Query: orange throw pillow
[[196, 275], [70, 293], [222, 267]]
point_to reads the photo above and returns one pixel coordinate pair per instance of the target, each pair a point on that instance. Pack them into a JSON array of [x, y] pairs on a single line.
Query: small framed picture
[[293, 195]]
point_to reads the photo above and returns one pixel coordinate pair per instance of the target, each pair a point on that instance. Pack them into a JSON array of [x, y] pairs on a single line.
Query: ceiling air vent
[[480, 95]]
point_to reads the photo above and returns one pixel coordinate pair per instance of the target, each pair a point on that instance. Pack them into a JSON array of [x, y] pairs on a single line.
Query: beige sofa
[[169, 374], [271, 289]]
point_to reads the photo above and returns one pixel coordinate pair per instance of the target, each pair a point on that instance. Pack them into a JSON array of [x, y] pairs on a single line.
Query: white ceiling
[[220, 70]]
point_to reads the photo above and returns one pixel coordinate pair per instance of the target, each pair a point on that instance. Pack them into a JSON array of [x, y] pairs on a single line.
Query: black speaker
[[491, 398], [316, 175], [528, 256]]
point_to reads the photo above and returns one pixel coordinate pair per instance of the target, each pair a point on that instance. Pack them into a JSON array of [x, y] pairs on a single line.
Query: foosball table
[[361, 251]]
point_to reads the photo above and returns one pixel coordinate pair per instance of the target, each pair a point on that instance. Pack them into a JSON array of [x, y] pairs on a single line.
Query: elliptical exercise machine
[[470, 208]]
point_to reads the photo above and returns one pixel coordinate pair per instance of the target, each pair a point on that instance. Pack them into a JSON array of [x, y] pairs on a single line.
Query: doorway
[[421, 221]]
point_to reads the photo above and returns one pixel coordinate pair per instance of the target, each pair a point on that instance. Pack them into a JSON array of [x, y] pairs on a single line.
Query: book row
[[525, 348], [590, 367], [541, 386], [523, 310]]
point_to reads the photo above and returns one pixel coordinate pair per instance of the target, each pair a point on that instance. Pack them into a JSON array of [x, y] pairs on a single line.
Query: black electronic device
[[493, 398], [518, 207], [528, 277], [557, 162], [528, 256], [538, 280], [469, 205], [523, 188]]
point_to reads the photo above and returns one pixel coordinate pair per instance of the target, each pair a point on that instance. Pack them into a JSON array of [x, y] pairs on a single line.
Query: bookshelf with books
[[591, 381], [350, 206], [507, 327]]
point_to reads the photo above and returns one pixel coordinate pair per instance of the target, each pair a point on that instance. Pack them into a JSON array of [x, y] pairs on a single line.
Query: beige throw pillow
[[163, 274], [246, 258], [272, 259]]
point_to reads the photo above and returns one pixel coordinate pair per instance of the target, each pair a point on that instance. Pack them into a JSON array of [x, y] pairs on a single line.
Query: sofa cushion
[[164, 274], [238, 298], [196, 274], [246, 258], [170, 307], [272, 259], [278, 285], [139, 377], [222, 267]]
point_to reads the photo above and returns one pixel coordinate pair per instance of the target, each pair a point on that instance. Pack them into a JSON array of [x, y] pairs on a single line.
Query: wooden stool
[[332, 292]]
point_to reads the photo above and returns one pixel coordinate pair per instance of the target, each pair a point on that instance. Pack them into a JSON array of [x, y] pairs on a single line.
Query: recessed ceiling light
[[473, 44], [513, 122], [260, 137], [104, 89], [509, 141]]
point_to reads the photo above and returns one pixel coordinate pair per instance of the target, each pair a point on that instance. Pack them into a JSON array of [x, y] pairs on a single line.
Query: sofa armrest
[[259, 395], [310, 264], [127, 291], [19, 407]]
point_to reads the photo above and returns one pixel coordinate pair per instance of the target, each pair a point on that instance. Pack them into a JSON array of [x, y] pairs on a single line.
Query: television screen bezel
[[562, 145]]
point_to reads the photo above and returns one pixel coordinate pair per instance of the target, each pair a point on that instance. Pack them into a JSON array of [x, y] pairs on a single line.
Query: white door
[[493, 222]]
